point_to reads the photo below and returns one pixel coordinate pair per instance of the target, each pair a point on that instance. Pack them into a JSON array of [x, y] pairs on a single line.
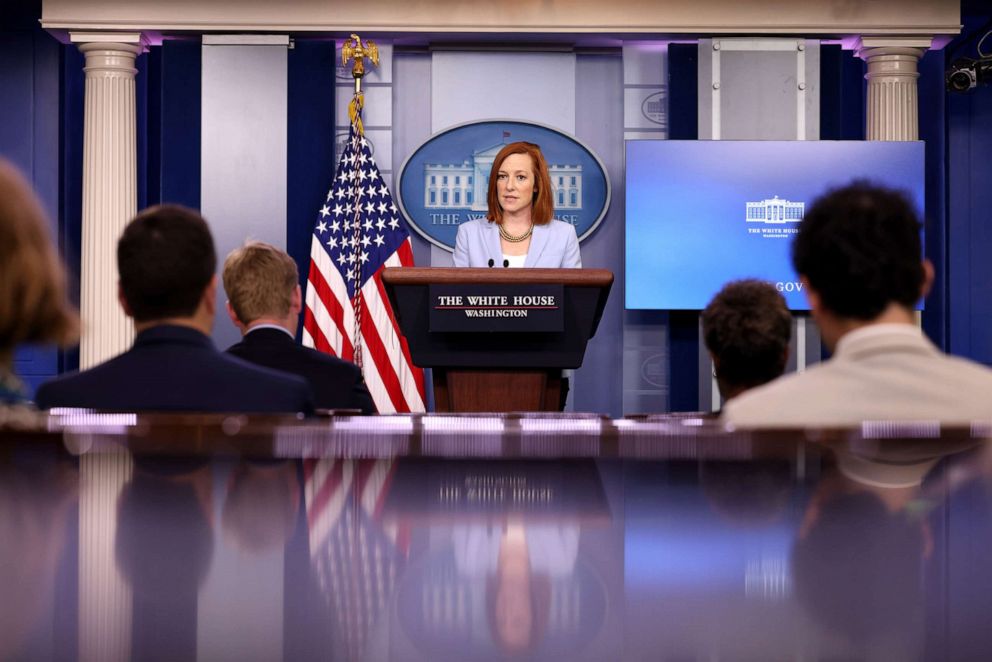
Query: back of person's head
[[164, 541], [260, 281], [262, 504], [165, 259], [746, 328], [859, 249], [747, 494], [33, 305]]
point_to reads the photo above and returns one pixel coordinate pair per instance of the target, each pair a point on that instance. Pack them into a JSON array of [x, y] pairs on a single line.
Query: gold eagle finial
[[355, 49]]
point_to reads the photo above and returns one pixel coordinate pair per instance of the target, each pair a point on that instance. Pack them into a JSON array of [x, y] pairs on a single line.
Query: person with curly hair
[[747, 328]]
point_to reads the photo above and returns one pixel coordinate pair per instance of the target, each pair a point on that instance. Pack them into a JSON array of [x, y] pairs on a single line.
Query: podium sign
[[489, 308], [517, 365]]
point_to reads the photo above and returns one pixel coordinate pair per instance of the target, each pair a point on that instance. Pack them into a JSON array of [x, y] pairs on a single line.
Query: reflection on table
[[489, 538]]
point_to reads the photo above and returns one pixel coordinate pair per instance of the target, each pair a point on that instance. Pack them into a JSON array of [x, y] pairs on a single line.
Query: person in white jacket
[[858, 254]]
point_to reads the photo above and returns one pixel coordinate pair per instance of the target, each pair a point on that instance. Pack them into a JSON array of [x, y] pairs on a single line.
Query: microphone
[[506, 262], [491, 262]]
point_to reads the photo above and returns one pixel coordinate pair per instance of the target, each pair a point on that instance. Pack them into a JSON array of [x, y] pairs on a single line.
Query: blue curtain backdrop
[[968, 269]]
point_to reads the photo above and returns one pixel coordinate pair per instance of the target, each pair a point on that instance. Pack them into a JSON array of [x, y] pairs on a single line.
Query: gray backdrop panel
[[243, 153]]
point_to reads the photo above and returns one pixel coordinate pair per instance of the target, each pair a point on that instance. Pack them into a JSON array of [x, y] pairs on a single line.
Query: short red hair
[[543, 208]]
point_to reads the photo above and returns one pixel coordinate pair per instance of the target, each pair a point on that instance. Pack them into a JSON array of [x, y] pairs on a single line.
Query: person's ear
[[928, 276], [209, 298], [234, 316], [123, 300], [296, 301]]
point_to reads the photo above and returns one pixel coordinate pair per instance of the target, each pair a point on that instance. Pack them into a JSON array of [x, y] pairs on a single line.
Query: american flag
[[355, 556], [358, 233]]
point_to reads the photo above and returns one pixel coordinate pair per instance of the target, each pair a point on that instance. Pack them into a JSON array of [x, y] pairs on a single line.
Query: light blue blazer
[[554, 245]]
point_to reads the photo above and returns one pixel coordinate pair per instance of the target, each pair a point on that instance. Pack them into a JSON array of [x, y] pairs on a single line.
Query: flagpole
[[357, 51], [345, 309]]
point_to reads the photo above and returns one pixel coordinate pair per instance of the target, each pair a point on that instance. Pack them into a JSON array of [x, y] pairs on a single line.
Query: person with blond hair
[[264, 302], [33, 304]]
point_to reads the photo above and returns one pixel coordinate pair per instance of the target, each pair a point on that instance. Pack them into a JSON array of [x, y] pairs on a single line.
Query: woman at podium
[[519, 230]]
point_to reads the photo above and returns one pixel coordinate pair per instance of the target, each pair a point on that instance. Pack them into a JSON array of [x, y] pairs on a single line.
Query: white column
[[109, 187], [893, 100]]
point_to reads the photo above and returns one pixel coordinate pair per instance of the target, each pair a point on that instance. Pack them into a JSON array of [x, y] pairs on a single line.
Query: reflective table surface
[[490, 537]]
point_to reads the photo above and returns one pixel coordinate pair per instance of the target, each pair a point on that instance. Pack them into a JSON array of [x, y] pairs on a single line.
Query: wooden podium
[[497, 339]]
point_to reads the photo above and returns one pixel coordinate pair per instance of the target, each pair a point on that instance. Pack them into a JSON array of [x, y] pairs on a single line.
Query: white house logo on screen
[[774, 218], [444, 182]]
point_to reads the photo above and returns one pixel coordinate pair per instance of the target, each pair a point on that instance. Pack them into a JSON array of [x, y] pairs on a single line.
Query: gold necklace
[[515, 239]]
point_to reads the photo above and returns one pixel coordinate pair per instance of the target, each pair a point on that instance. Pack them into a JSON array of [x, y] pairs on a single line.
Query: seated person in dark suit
[[264, 302], [166, 263], [747, 328]]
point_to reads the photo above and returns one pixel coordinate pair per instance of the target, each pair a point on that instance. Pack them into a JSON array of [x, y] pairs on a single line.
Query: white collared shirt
[[270, 326], [873, 330]]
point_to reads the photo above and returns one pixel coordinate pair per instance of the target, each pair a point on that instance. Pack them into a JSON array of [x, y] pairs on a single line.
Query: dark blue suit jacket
[[336, 384], [175, 368]]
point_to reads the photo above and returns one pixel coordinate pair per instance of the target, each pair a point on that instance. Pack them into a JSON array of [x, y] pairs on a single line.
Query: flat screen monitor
[[702, 213]]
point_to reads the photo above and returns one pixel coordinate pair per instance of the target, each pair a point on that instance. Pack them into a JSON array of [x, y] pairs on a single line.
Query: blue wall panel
[[932, 122], [177, 121], [71, 105], [29, 80], [45, 136], [16, 82], [969, 272], [141, 128], [683, 326], [310, 148], [683, 102], [969, 201], [151, 176], [842, 94]]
